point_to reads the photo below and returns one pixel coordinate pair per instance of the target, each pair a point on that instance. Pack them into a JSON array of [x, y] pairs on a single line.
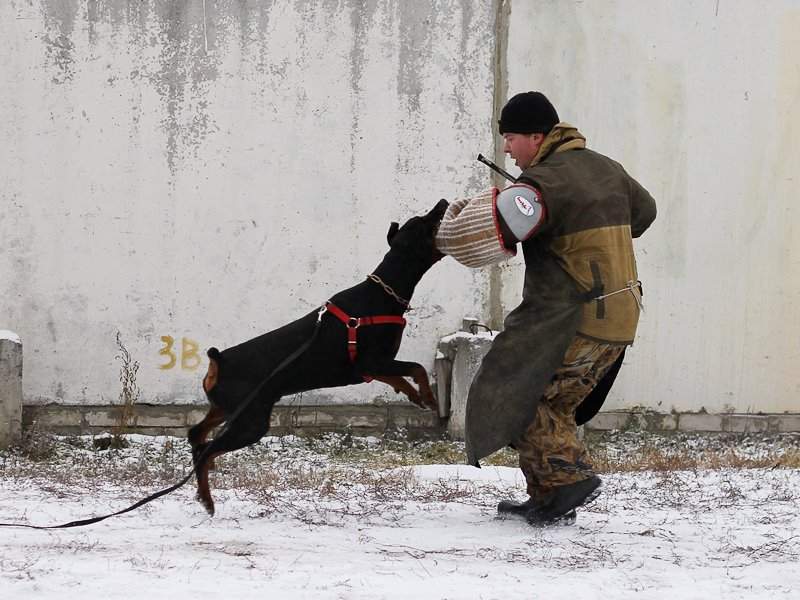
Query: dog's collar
[[386, 288]]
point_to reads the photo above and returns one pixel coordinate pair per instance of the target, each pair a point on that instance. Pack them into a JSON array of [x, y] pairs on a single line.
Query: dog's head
[[416, 236]]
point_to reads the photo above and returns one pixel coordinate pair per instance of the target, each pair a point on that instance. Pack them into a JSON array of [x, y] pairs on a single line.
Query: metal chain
[[389, 290]]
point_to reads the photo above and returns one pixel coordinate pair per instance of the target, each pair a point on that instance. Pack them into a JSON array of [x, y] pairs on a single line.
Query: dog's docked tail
[[210, 380]]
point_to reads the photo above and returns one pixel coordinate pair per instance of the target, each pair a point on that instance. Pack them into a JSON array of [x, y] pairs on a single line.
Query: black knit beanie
[[528, 112]]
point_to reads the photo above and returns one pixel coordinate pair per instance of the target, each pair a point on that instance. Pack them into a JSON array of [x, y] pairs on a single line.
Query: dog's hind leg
[[198, 434], [203, 459], [246, 429]]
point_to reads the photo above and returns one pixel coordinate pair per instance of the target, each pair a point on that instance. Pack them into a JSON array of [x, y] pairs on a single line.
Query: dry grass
[[611, 452], [327, 480], [128, 396], [333, 462], [615, 452], [655, 459]]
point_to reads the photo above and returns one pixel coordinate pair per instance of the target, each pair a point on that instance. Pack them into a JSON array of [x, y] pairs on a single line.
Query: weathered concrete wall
[[194, 173], [10, 388], [700, 100]]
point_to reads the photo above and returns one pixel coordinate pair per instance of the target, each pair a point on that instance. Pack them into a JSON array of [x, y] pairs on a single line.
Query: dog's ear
[[438, 211], [392, 232]]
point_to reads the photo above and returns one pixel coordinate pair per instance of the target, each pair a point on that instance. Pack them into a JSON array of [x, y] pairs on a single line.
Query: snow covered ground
[[298, 524]]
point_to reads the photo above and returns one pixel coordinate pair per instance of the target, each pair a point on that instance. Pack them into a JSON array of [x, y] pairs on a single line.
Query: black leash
[[284, 363], [82, 522]]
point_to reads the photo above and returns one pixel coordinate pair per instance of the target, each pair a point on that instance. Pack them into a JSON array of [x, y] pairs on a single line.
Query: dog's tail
[[211, 378]]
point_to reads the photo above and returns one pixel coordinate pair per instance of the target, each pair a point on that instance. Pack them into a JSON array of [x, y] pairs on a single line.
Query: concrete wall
[[204, 171], [193, 173], [10, 388], [700, 100]]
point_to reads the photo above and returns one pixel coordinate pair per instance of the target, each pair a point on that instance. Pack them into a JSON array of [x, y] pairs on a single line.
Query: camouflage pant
[[550, 453]]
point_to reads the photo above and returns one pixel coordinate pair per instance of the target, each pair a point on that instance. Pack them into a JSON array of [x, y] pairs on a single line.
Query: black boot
[[563, 501], [507, 509]]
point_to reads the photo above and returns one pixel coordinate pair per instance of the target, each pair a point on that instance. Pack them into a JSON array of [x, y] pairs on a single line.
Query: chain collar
[[390, 291]]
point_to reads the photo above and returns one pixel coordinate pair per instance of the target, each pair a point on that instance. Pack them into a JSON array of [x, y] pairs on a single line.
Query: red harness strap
[[353, 323]]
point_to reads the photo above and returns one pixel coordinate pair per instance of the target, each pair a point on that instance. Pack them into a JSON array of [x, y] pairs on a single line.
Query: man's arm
[[643, 209], [520, 212]]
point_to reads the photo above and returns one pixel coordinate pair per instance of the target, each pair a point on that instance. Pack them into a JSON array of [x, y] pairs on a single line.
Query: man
[[574, 212]]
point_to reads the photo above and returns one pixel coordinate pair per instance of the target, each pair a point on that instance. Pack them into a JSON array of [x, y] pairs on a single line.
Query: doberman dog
[[353, 338]]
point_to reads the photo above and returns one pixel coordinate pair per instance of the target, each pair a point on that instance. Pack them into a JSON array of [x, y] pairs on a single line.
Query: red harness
[[353, 323]]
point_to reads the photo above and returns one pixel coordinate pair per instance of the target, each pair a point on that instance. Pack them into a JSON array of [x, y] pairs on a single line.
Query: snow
[[463, 335], [426, 531], [9, 335]]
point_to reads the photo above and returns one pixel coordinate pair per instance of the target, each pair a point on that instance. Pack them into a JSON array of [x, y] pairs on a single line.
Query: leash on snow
[[285, 363]]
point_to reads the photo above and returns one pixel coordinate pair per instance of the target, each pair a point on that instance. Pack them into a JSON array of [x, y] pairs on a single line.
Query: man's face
[[522, 147]]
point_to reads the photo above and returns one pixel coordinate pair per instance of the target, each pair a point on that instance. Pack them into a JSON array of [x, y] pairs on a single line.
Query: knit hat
[[528, 112]]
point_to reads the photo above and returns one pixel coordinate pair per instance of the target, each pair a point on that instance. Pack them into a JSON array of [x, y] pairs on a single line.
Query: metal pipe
[[496, 169]]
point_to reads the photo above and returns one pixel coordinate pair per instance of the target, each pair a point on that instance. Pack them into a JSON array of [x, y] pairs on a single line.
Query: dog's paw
[[207, 503], [430, 402], [413, 397]]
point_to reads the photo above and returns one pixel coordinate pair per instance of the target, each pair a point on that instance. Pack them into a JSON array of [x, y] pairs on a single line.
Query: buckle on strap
[[634, 287], [322, 310]]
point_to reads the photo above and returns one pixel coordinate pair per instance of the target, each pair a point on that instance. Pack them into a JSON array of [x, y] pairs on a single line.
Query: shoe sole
[[564, 520]]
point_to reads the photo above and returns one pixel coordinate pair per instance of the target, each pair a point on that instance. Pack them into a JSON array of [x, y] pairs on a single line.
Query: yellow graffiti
[[190, 359], [167, 351]]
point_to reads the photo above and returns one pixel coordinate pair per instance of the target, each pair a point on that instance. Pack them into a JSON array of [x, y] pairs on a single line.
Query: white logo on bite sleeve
[[525, 207]]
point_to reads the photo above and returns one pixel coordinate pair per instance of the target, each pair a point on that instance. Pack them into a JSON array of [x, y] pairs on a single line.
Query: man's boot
[[508, 509], [563, 500]]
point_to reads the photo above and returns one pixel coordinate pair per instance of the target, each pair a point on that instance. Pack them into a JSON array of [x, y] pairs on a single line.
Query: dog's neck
[[401, 273]]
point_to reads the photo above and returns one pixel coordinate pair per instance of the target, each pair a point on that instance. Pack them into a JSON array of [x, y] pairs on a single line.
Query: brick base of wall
[[369, 419], [696, 422], [176, 420]]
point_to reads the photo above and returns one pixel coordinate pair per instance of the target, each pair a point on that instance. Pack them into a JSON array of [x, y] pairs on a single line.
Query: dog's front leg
[[393, 371], [401, 386]]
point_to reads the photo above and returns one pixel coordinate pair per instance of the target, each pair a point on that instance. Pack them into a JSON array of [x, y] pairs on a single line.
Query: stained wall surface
[[701, 103], [190, 173]]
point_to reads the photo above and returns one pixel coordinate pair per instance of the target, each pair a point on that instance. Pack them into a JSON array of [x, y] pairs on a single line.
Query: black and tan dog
[[354, 338]]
